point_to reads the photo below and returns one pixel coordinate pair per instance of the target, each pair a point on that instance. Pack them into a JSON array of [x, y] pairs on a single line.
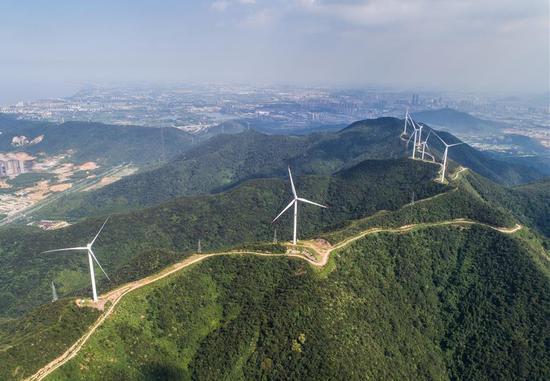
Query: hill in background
[[102, 143], [224, 161]]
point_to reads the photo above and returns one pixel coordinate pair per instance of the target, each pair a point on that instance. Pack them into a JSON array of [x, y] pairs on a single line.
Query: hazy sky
[[52, 47]]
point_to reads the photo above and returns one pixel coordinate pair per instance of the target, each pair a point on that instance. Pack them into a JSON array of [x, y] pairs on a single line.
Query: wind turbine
[[294, 202], [414, 137], [445, 153], [425, 145], [91, 258], [417, 135], [406, 121]]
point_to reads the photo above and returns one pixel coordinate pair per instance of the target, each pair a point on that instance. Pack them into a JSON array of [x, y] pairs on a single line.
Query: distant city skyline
[[53, 48]]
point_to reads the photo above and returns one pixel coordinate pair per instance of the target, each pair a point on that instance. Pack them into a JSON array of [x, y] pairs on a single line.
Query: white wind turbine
[[91, 258], [414, 136], [406, 122], [445, 153], [424, 146], [294, 202]]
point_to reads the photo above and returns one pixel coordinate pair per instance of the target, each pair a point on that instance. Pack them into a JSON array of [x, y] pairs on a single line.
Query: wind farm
[[422, 146], [239, 272], [246, 190]]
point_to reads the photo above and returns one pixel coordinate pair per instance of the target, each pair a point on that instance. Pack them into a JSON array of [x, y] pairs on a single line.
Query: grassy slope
[[33, 340], [163, 234], [438, 303]]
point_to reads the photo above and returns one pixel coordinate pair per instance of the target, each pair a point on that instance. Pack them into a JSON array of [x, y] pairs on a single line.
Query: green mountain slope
[[457, 121], [226, 160], [169, 231], [530, 203], [439, 303], [462, 202], [503, 172], [106, 144], [31, 341]]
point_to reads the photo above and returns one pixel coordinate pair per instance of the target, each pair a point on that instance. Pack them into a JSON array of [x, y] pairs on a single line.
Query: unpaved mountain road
[[323, 252]]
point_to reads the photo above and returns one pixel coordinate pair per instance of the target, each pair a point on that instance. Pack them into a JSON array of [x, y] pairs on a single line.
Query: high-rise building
[[415, 99]]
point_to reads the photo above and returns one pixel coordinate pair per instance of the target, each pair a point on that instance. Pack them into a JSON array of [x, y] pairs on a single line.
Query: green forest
[[236, 217], [225, 161], [106, 144], [440, 303]]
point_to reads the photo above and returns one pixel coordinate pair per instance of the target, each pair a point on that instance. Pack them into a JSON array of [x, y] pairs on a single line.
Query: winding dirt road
[[323, 252]]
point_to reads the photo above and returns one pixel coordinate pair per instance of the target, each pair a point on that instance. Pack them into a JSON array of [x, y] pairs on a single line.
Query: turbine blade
[[311, 202], [292, 183], [97, 235], [427, 137], [439, 137], [456, 144], [412, 135], [67, 249], [99, 264], [284, 210]]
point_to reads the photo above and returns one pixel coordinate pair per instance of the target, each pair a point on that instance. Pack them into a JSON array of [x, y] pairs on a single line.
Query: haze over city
[[54, 48]]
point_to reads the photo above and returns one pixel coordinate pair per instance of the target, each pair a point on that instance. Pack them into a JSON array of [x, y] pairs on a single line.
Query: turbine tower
[[406, 121], [294, 203], [445, 153], [91, 259], [417, 136], [414, 137], [425, 145], [54, 293]]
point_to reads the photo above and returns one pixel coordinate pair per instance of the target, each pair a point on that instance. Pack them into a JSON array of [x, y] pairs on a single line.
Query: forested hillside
[[442, 303], [431, 303], [105, 144], [530, 203], [31, 341], [170, 233], [226, 160], [224, 220], [503, 172]]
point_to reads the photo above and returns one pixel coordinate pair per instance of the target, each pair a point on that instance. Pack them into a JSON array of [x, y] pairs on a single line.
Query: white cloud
[[220, 5], [379, 12], [223, 5], [260, 19]]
